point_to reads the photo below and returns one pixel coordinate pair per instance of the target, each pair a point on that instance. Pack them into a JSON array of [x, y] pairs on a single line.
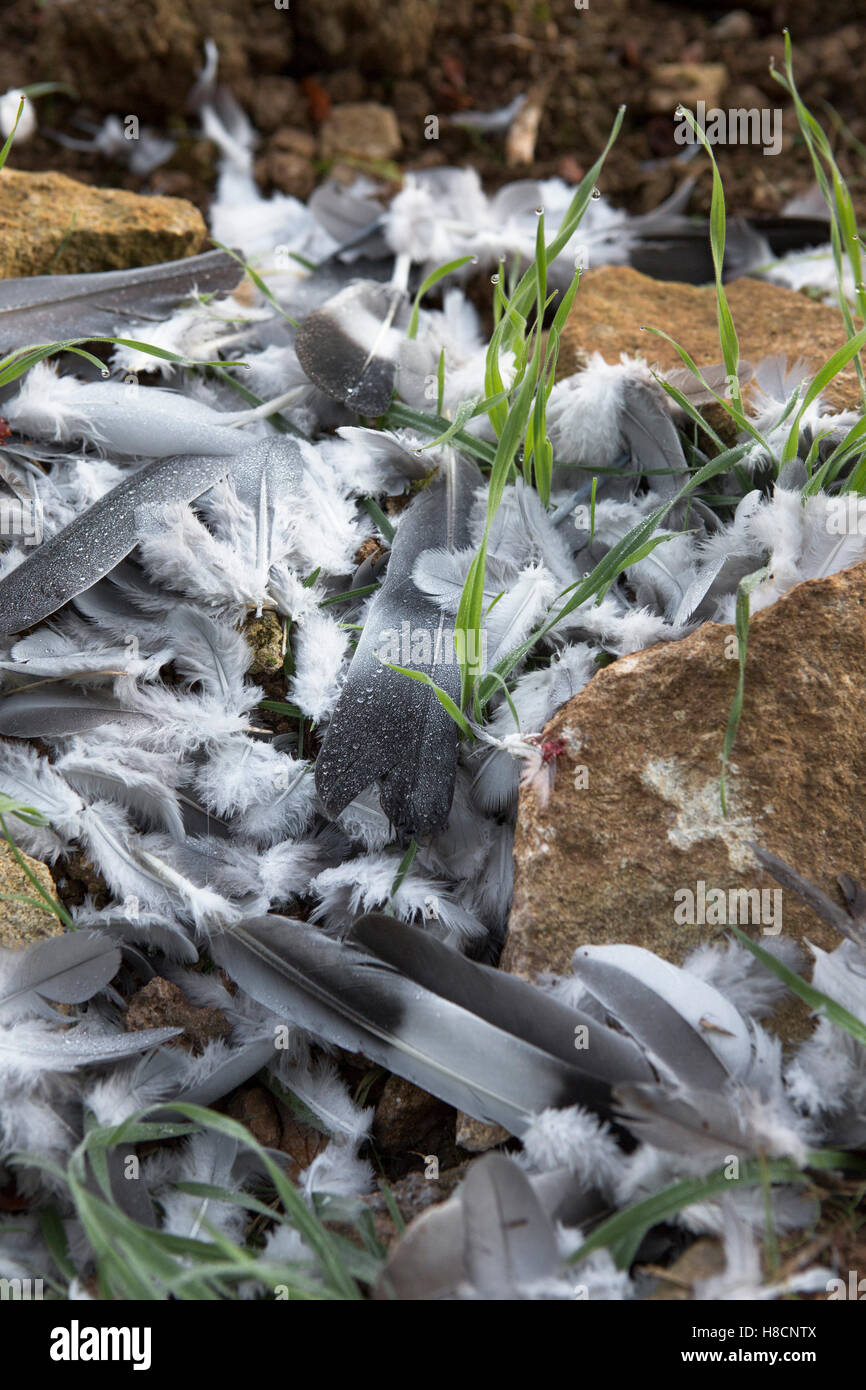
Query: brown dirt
[[289, 66]]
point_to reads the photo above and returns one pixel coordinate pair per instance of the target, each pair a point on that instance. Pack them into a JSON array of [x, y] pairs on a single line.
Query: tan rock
[[22, 923], [360, 130], [477, 1135], [602, 861], [673, 83], [52, 225], [614, 303]]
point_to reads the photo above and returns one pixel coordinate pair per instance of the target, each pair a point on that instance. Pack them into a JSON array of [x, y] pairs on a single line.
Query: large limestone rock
[[53, 225], [634, 816], [615, 305]]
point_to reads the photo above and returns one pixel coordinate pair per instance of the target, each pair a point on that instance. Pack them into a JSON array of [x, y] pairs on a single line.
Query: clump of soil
[[288, 67]]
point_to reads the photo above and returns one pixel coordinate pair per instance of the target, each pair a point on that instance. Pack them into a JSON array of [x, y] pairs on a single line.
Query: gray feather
[[45, 308], [471, 1060], [91, 545], [67, 969], [387, 728]]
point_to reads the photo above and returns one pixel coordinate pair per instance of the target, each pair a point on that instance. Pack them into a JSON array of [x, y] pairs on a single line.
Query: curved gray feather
[[68, 969], [428, 1262], [655, 1023]]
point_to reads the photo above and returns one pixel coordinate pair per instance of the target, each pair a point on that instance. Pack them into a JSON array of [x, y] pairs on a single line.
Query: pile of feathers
[[350, 874]]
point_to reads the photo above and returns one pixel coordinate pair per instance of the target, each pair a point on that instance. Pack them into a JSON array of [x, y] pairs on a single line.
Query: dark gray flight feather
[[68, 969], [348, 346], [44, 308], [503, 1000], [387, 728], [472, 1053], [91, 545]]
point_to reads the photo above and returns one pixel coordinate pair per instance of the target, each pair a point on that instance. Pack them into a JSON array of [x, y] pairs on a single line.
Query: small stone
[[265, 640], [673, 83], [290, 173], [360, 130], [477, 1136], [601, 863], [161, 1004], [300, 1141], [22, 924], [273, 102], [294, 140], [614, 302], [256, 1108], [737, 24], [52, 225], [406, 1115]]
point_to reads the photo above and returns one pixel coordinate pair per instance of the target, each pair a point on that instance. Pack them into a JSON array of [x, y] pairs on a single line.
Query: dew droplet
[[539, 211], [596, 193], [105, 373], [474, 260], [494, 279]]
